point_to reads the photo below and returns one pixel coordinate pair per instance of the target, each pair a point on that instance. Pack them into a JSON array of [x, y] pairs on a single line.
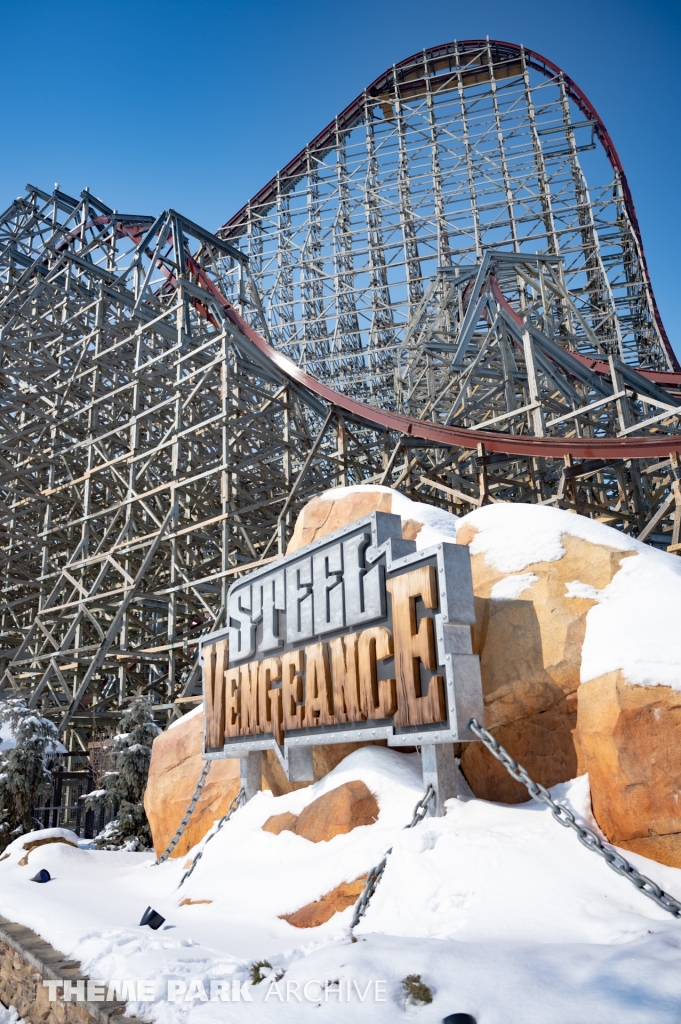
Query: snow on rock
[[582, 590], [438, 525], [339, 506], [514, 536], [511, 587], [39, 836], [503, 913], [633, 627], [10, 1015], [194, 713]]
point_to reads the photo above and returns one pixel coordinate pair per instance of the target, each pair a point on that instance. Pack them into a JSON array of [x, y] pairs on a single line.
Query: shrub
[[124, 786], [25, 776], [416, 991], [257, 969]]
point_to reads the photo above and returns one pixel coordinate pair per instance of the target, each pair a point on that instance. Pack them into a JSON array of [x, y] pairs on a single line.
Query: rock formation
[[529, 634], [313, 914], [176, 765], [322, 516], [332, 814], [631, 747]]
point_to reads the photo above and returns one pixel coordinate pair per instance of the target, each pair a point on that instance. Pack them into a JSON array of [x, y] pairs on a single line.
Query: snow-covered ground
[[499, 909]]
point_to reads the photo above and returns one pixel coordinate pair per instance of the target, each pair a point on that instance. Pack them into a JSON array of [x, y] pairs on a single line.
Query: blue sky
[[197, 104]]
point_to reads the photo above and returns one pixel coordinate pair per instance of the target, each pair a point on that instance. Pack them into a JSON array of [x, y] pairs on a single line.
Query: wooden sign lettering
[[358, 635]]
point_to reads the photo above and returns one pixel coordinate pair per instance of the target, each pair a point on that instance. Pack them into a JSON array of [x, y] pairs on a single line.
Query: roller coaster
[[445, 292]]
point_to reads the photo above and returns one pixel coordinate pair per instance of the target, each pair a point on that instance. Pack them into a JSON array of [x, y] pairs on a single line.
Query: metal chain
[[374, 876], [188, 813], [238, 800], [566, 818]]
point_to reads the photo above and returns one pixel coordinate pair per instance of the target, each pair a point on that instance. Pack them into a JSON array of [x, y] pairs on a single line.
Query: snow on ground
[[503, 913]]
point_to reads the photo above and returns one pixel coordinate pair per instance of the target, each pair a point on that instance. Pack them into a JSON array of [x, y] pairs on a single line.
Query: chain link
[[238, 800], [566, 818], [374, 876], [187, 815]]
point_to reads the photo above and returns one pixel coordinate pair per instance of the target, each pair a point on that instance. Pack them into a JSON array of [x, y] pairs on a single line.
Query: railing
[[66, 807]]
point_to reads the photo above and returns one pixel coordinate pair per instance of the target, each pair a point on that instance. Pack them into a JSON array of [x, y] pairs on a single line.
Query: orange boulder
[[332, 814], [631, 748], [176, 765], [279, 823], [337, 812], [313, 914], [324, 515], [528, 634]]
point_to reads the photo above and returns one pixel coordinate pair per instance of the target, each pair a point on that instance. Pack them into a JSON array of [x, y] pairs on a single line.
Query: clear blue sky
[[197, 103]]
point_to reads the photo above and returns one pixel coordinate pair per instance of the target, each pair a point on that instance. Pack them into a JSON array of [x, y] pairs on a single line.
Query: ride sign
[[357, 636]]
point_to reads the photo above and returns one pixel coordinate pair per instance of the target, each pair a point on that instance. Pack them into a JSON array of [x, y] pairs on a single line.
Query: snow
[[503, 913], [198, 710], [582, 590], [513, 536], [633, 626], [9, 1015], [438, 525], [511, 587], [16, 848]]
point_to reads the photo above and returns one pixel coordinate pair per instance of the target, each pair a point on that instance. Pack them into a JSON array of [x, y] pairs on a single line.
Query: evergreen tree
[[25, 776], [124, 787]]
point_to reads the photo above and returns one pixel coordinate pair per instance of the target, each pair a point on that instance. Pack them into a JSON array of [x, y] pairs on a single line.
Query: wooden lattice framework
[[171, 397]]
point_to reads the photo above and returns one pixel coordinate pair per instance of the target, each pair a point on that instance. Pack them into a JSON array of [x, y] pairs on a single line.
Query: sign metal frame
[[343, 584]]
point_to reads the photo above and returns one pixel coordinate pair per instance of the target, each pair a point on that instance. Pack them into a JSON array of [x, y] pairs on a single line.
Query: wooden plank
[[248, 677], [293, 711], [232, 703], [318, 691], [413, 645], [378, 696], [268, 671], [346, 693]]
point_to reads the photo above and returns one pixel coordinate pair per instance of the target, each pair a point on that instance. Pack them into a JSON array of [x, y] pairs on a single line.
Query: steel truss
[[458, 149], [149, 452], [166, 409]]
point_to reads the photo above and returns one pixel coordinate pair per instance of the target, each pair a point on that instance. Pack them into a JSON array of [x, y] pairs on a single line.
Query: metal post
[[300, 766], [251, 773], [439, 771]]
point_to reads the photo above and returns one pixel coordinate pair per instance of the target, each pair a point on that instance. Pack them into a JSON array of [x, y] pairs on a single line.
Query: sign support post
[[251, 773], [300, 767], [439, 771]]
